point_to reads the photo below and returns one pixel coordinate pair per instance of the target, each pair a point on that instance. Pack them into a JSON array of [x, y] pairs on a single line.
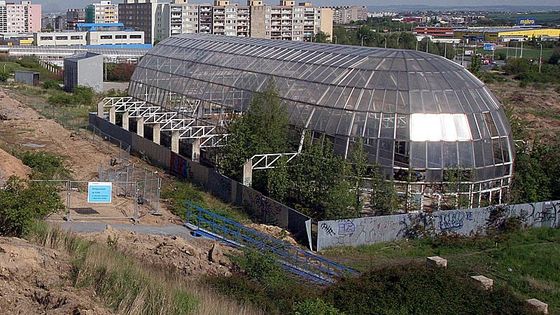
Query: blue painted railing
[[296, 260]]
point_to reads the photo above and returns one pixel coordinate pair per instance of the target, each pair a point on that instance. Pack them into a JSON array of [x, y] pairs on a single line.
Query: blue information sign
[[489, 47], [100, 192]]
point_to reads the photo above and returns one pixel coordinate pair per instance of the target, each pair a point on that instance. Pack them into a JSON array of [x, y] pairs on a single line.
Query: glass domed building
[[424, 119]]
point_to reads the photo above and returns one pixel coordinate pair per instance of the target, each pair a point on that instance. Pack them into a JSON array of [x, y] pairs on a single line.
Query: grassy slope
[[527, 261]]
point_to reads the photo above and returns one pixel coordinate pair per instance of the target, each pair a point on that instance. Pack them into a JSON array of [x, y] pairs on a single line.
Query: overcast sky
[[53, 5]]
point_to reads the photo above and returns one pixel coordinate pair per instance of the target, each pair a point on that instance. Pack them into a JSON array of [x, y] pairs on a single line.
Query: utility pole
[[540, 58], [445, 49], [521, 55]]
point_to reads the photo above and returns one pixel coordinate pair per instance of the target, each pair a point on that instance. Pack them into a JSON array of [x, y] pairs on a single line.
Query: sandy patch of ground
[[11, 166], [194, 257], [34, 280]]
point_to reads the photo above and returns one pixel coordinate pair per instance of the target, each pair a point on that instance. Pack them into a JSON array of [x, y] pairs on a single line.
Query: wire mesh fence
[[120, 151], [146, 190]]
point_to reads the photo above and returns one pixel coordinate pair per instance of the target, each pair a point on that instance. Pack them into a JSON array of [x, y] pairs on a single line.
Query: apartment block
[[102, 12], [152, 17], [73, 18], [23, 17], [349, 14], [286, 21]]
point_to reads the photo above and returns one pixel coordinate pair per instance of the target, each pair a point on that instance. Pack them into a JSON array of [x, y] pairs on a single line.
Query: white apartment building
[[23, 17], [102, 12], [287, 21], [184, 18], [348, 14]]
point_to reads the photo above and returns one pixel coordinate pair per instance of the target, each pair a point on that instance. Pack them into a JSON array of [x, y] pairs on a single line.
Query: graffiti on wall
[[370, 230], [178, 166]]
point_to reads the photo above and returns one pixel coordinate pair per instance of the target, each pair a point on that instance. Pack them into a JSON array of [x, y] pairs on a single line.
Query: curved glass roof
[[414, 110]]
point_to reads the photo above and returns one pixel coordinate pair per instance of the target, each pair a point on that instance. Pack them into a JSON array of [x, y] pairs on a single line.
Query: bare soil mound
[[34, 280], [196, 257], [11, 166]]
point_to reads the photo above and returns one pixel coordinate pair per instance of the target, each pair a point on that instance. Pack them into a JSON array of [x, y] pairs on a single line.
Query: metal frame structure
[[414, 111], [185, 122]]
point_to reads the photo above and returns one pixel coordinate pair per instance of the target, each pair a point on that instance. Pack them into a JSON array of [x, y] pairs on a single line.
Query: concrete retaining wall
[[371, 230]]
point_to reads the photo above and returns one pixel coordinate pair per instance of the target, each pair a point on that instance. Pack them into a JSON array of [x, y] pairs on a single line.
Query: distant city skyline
[[62, 5]]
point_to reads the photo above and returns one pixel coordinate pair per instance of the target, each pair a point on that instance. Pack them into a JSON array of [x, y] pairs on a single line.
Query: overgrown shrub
[[44, 165], [261, 281], [51, 85], [315, 307], [261, 267], [23, 202], [4, 76], [80, 96], [418, 290]]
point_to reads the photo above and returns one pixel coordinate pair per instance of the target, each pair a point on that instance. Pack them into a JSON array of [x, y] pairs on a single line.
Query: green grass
[[528, 261], [528, 53], [10, 66], [71, 116], [178, 192]]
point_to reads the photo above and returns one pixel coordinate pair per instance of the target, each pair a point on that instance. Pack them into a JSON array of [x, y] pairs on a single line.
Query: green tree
[[476, 64], [383, 196], [318, 175], [263, 128], [23, 202], [339, 203], [321, 37], [359, 162], [278, 181]]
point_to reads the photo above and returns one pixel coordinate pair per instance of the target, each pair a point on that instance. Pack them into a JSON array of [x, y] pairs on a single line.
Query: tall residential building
[[348, 14], [102, 12], [286, 21], [73, 17], [23, 17], [151, 16], [184, 17]]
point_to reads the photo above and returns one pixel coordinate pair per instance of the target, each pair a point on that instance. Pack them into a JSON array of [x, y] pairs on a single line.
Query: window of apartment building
[[106, 36]]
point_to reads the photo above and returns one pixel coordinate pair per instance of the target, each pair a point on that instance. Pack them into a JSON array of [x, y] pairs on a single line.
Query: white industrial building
[[88, 38]]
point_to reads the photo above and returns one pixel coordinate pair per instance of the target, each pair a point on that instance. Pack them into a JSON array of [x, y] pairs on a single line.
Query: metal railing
[[296, 260]]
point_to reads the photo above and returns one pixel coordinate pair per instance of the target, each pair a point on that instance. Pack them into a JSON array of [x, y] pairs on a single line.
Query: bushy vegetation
[[177, 193], [409, 288], [259, 280], [527, 71], [23, 202], [415, 289], [81, 96], [44, 165], [525, 261], [120, 72], [317, 182]]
